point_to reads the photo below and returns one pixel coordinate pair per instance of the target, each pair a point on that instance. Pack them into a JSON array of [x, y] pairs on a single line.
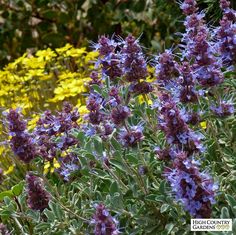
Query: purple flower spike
[[104, 223], [173, 123], [134, 63], [195, 190], [166, 68], [38, 197], [108, 58], [189, 7], [22, 142], [223, 110], [226, 34]]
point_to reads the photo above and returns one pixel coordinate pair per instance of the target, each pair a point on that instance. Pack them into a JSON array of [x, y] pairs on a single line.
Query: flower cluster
[[177, 132], [198, 47], [21, 142], [104, 223], [224, 109], [187, 81], [53, 131], [68, 166], [225, 34], [134, 64], [38, 197], [194, 189], [108, 58], [166, 68]]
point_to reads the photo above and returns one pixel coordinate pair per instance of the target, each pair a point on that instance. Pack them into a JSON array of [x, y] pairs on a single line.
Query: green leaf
[[224, 213], [97, 88], [231, 200], [114, 188], [116, 145], [18, 188], [169, 227], [164, 208], [8, 193], [50, 215], [132, 158], [118, 165]]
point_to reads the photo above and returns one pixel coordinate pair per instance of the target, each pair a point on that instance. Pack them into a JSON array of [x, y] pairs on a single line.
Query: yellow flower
[[51, 166], [47, 54], [32, 123], [203, 125], [141, 99], [62, 50], [75, 52], [9, 170]]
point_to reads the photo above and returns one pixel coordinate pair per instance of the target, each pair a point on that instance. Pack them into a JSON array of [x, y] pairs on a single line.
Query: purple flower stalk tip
[[133, 61], [189, 7], [108, 58], [37, 197], [104, 223]]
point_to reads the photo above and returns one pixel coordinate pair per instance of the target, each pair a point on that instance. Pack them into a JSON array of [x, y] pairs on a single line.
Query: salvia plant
[[152, 152]]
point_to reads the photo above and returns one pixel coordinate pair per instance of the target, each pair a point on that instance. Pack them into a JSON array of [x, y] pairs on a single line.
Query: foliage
[[55, 23], [151, 153]]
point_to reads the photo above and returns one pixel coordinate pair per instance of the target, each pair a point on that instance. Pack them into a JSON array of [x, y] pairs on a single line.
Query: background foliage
[[35, 24]]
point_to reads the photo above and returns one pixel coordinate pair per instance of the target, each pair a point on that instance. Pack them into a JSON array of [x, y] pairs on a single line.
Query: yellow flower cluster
[[34, 82]]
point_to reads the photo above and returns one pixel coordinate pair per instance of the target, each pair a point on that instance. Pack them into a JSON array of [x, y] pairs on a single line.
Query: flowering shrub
[[132, 166]]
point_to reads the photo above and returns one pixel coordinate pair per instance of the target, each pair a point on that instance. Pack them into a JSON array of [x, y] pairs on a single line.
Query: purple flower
[[95, 79], [103, 222], [3, 229], [166, 68], [108, 58], [226, 34], [51, 126], [133, 61], [130, 138], [195, 190], [224, 109], [173, 123], [142, 170], [37, 197], [68, 166], [189, 7], [119, 114], [141, 88], [22, 142], [187, 91], [199, 49], [115, 97]]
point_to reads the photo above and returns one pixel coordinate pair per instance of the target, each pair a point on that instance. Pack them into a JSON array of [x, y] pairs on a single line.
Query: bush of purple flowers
[[152, 152]]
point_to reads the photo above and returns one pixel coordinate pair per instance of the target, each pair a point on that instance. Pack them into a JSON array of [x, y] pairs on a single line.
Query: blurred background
[[38, 24]]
